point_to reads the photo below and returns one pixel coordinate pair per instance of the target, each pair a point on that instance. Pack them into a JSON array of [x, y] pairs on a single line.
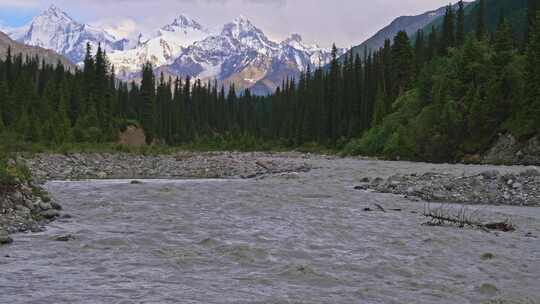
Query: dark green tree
[[460, 24], [402, 63], [481, 20], [148, 99]]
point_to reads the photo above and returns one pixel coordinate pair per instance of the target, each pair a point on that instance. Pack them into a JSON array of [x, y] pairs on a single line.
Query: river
[[292, 238]]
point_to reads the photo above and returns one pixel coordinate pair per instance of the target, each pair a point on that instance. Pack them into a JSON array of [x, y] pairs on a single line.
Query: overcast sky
[[346, 22]]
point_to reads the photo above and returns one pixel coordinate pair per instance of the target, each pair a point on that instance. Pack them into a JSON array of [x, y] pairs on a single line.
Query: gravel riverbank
[[489, 187], [46, 167]]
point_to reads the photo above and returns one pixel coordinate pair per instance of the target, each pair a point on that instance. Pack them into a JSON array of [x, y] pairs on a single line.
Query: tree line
[[443, 93]]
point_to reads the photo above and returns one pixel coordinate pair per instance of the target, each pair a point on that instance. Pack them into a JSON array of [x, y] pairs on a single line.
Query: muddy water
[[286, 239]]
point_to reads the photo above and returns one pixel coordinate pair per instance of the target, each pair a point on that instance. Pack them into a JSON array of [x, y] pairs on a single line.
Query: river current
[[293, 238]]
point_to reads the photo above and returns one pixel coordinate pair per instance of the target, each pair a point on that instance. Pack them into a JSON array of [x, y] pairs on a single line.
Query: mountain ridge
[[239, 53], [49, 56], [410, 24]]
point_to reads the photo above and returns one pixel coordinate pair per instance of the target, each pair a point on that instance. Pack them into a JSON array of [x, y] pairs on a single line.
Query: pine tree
[[533, 6], [419, 50], [380, 110], [503, 43], [5, 114], [532, 77], [2, 125], [332, 101], [402, 63], [432, 46], [460, 31], [481, 20], [148, 98], [448, 31]]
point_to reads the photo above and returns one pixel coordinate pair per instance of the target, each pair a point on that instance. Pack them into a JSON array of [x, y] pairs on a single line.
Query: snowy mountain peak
[[183, 22], [54, 16], [56, 13], [239, 27], [55, 30]]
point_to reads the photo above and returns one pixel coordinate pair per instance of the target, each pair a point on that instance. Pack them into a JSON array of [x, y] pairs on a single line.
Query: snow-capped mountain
[[239, 53], [57, 31], [162, 48], [242, 54]]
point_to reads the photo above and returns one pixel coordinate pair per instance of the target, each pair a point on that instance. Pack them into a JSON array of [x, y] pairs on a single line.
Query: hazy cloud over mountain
[[346, 22]]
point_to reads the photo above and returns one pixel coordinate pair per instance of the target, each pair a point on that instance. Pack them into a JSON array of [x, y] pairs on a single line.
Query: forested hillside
[[443, 96], [470, 85]]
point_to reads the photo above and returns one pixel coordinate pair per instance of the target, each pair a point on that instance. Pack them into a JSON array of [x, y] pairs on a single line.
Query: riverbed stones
[[509, 151], [22, 210], [489, 187], [5, 238], [194, 165], [56, 206], [50, 214], [44, 206]]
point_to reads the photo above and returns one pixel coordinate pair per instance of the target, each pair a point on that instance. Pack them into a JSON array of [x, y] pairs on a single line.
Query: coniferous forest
[[444, 93]]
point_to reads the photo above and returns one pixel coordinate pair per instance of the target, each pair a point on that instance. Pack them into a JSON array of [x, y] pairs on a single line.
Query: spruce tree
[[4, 103], [460, 25], [148, 98], [419, 50], [332, 101], [2, 125], [432, 46], [503, 43], [448, 31], [62, 124], [533, 6], [402, 63], [532, 77], [481, 20]]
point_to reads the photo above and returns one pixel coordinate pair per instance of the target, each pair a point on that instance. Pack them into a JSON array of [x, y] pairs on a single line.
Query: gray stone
[[517, 185], [530, 173], [44, 206], [23, 211], [4, 238], [56, 206], [491, 174], [50, 214]]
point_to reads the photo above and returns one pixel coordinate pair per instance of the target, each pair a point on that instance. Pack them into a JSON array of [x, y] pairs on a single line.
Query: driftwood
[[263, 165], [446, 215]]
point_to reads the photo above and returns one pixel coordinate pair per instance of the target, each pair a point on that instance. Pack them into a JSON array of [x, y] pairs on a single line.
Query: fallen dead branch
[[462, 217]]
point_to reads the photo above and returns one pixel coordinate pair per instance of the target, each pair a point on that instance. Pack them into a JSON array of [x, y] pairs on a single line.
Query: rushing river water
[[285, 239]]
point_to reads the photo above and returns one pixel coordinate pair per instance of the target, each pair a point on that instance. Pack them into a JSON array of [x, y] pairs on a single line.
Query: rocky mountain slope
[[55, 30], [48, 56], [410, 24]]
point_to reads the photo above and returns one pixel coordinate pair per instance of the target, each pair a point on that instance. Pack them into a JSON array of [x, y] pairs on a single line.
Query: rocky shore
[[507, 150], [77, 166], [489, 187], [24, 207]]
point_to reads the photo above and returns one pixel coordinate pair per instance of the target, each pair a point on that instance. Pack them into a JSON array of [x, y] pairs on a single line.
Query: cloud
[[124, 27], [346, 22]]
